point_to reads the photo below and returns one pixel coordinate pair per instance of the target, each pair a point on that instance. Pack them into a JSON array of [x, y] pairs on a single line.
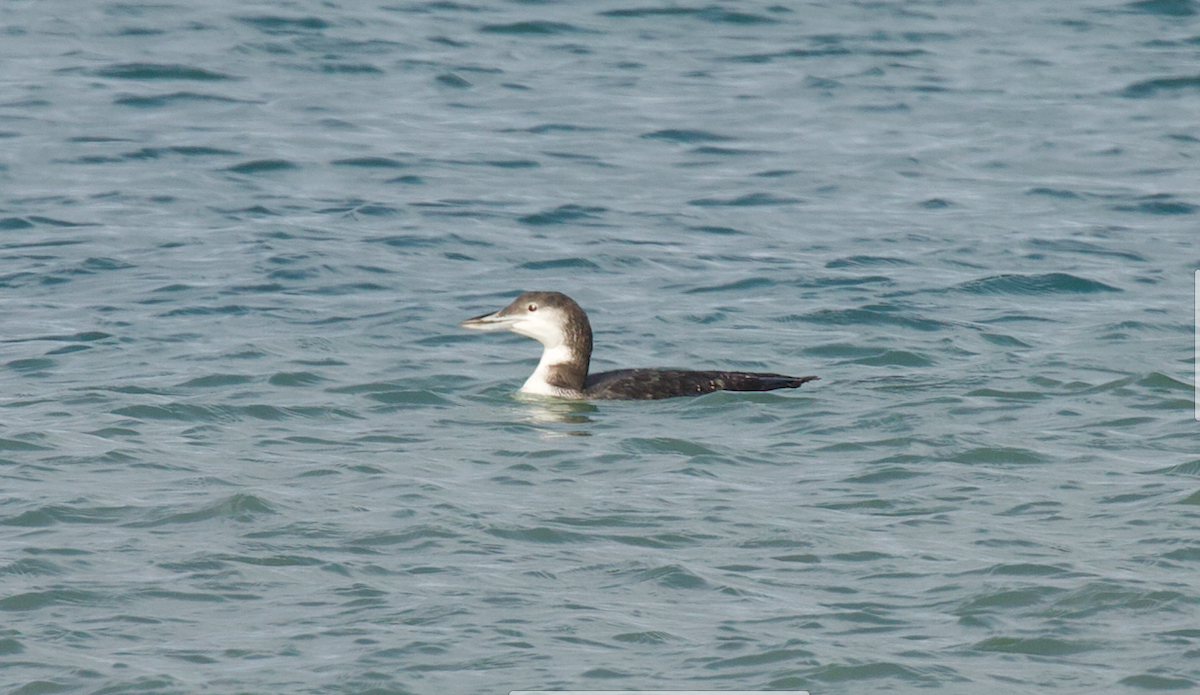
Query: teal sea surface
[[245, 447]]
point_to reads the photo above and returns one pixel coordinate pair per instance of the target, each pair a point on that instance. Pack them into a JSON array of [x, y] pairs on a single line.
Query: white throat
[[537, 383]]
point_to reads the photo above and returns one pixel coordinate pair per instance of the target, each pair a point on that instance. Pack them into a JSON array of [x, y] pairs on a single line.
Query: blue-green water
[[245, 448]]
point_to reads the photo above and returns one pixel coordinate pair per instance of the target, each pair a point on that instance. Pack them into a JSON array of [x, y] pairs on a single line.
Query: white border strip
[[665, 692]]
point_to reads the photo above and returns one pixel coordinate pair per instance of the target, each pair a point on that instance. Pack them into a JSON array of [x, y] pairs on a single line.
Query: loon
[[562, 327]]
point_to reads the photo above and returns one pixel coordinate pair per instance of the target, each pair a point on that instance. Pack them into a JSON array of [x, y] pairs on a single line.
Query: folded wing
[[650, 384]]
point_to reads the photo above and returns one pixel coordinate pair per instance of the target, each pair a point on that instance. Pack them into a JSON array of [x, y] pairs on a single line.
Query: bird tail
[[751, 381]]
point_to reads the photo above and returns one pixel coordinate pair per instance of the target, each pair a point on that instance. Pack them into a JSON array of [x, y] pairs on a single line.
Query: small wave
[[227, 310], [276, 560], [799, 558], [420, 534], [336, 68], [724, 151], [842, 350], [553, 128], [1054, 193], [1150, 681], [878, 315], [1167, 8], [578, 263], [866, 261], [12, 224], [417, 397], [217, 381], [1138, 497], [1083, 247], [841, 281], [722, 231], [155, 71], [453, 81], [1025, 569], [747, 284], [896, 358], [562, 214], [176, 411], [408, 241], [1032, 508], [668, 540], [39, 219], [1004, 340], [513, 163], [1161, 382], [793, 53], [50, 515], [351, 288], [369, 163], [267, 288], [748, 200], [533, 28], [539, 534], [1163, 85], [649, 637], [1158, 204], [32, 365], [835, 673], [898, 107], [154, 153], [95, 265], [240, 507], [686, 136], [712, 13], [17, 445], [1038, 646], [667, 445], [185, 412], [1006, 395], [1112, 596], [1011, 598], [273, 24], [1034, 284], [262, 166], [373, 387], [861, 556], [31, 567], [673, 577], [191, 596], [294, 379], [159, 100], [34, 600], [769, 656], [999, 454], [813, 82], [1191, 468]]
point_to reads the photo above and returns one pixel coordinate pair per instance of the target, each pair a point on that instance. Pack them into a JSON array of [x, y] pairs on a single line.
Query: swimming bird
[[562, 327]]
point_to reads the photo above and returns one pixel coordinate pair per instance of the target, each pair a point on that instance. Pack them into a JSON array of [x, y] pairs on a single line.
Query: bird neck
[[563, 369]]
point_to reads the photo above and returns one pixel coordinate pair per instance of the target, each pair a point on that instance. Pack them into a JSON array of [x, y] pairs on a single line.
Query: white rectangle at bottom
[[658, 692]]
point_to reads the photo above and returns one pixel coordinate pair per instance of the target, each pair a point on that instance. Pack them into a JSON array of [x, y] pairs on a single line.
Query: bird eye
[[532, 307]]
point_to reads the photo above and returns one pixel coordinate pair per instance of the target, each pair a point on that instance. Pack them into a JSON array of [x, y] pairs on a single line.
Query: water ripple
[[237, 402]]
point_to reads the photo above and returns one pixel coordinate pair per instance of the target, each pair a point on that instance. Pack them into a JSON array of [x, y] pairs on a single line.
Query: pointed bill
[[490, 322]]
